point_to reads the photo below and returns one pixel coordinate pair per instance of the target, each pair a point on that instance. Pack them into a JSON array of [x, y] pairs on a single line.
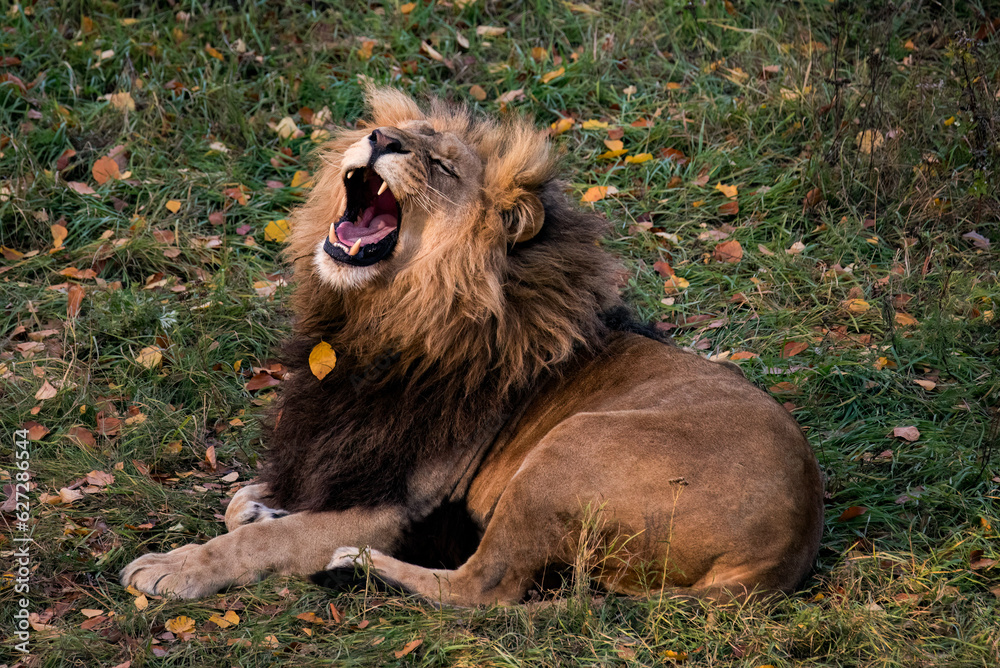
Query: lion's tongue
[[375, 223]]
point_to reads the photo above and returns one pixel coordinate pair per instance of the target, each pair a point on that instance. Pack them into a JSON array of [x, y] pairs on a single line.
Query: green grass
[[906, 583]]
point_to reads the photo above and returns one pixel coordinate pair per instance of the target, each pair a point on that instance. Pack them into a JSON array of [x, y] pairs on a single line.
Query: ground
[[807, 188]]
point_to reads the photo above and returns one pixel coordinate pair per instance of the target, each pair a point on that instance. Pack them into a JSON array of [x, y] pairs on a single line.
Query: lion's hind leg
[[248, 506]]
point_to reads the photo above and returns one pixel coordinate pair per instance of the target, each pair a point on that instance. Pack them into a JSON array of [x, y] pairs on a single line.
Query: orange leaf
[[793, 348], [852, 512], [728, 191], [105, 169], [322, 359], [212, 51], [173, 206], [59, 234], [408, 647], [74, 297], [554, 74], [597, 193], [728, 251], [729, 208]]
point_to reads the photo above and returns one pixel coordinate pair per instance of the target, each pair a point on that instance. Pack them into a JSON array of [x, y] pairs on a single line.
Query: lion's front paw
[[345, 557], [187, 572]]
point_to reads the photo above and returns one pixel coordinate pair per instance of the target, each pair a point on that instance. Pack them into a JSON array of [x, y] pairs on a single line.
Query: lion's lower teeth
[[355, 248]]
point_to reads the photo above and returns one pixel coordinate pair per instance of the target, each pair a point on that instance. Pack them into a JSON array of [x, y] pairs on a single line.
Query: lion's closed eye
[[444, 167]]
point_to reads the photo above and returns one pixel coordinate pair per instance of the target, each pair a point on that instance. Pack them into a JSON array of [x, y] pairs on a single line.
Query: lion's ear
[[525, 218]]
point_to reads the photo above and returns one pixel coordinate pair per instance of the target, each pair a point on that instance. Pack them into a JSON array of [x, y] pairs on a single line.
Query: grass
[[863, 139]]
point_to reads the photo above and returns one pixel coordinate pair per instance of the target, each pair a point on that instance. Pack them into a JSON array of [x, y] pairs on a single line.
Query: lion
[[494, 408]]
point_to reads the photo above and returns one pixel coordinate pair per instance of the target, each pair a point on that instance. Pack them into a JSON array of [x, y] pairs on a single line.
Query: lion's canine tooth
[[350, 173], [381, 188], [333, 233], [355, 248]]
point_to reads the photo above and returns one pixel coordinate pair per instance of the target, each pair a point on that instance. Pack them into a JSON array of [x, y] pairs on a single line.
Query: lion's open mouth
[[369, 228]]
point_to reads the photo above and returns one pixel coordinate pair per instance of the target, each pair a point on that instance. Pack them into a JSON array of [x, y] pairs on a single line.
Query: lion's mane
[[433, 362]]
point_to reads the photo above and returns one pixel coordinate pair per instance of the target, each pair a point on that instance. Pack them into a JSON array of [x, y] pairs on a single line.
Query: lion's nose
[[384, 143]]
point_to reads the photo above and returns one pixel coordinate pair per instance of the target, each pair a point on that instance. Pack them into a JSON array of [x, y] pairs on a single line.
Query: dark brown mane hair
[[434, 358]]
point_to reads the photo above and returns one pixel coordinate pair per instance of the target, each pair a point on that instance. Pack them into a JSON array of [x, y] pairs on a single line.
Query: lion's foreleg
[[297, 544], [250, 505]]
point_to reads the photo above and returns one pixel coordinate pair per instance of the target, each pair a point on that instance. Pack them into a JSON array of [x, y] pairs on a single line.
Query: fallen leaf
[[213, 52], [857, 306], [141, 602], [100, 478], [59, 234], [910, 434], [310, 617], [852, 512], [122, 101], [614, 144], [639, 158], [594, 125], [67, 495], [36, 432], [408, 647], [674, 155], [729, 208], [743, 355], [277, 230], [675, 284], [150, 357], [46, 391], [226, 620], [82, 436], [793, 348], [905, 319], [663, 269], [561, 126], [812, 199], [978, 240], [105, 169], [796, 248], [81, 188], [554, 74], [301, 179], [180, 624], [926, 384], [74, 298], [869, 141], [728, 191], [260, 381], [597, 193], [728, 251], [490, 31], [210, 457], [511, 96], [173, 205], [286, 127], [581, 8], [322, 359], [477, 92]]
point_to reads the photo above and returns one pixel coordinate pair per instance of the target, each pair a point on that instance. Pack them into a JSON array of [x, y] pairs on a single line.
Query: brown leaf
[[728, 251], [663, 269], [674, 155], [74, 297], [477, 92], [793, 348], [910, 434], [100, 478], [812, 198], [729, 208], [210, 457], [82, 436], [260, 381], [81, 188], [36, 432], [107, 425], [851, 513], [408, 647]]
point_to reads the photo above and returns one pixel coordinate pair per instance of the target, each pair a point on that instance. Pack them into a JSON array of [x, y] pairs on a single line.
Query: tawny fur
[[494, 412]]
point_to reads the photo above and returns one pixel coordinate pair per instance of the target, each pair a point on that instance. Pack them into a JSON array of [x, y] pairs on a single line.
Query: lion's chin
[[341, 276]]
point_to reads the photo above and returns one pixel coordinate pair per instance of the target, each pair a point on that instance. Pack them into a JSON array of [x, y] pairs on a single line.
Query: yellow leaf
[[310, 617], [539, 53], [213, 52], [906, 320], [857, 306], [122, 101], [286, 127], [581, 8], [594, 125], [869, 141], [614, 144], [610, 155], [926, 384], [561, 126], [675, 284], [322, 359], [141, 602], [639, 158], [180, 624], [225, 621], [173, 206], [277, 230], [597, 193], [949, 121], [728, 191], [59, 234], [673, 85], [302, 179], [407, 8], [150, 357], [554, 74]]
